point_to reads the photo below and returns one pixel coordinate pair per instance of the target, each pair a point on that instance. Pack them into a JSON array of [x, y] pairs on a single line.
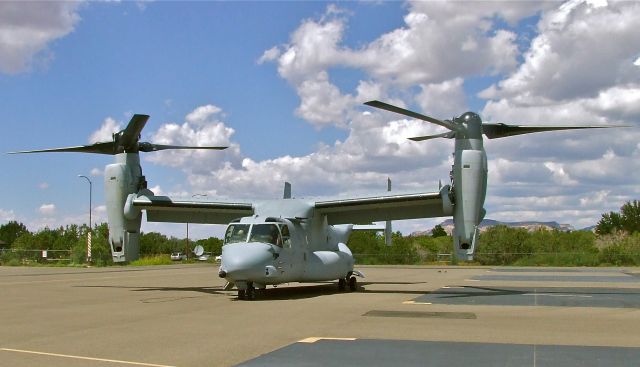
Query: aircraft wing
[[165, 209], [388, 207]]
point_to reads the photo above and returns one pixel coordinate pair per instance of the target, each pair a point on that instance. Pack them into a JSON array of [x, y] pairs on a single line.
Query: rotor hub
[[470, 126]]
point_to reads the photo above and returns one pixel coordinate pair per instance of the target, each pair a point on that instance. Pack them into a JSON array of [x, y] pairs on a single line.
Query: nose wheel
[[350, 281], [247, 294], [352, 284]]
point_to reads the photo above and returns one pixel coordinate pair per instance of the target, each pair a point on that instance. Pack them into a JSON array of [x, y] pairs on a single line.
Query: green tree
[[609, 223], [627, 220], [630, 216], [438, 231], [154, 243], [10, 231], [25, 241], [211, 244], [502, 245]]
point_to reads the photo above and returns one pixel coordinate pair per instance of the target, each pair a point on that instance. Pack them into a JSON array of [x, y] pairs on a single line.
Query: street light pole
[[90, 207]]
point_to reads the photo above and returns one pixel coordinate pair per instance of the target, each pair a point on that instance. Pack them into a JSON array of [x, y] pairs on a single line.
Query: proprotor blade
[[494, 131], [131, 134], [99, 148], [447, 135], [150, 147], [402, 111]]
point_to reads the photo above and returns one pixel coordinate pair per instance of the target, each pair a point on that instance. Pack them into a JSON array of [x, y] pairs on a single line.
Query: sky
[[282, 84]]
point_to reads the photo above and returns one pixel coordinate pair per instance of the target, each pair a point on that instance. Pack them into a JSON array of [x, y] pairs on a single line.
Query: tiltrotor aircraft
[[270, 242]]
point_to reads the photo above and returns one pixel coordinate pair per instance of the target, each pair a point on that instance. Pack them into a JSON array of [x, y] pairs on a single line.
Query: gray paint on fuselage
[[317, 250]]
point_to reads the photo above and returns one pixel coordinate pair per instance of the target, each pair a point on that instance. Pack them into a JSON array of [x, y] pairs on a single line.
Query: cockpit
[[273, 233]]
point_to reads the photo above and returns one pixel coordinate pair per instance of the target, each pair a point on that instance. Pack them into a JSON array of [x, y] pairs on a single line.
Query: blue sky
[[287, 80]]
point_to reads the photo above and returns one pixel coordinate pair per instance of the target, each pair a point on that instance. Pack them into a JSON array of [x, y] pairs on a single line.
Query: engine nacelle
[[120, 180], [470, 182]]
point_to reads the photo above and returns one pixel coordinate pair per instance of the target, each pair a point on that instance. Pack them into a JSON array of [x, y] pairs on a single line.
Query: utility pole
[[90, 227]]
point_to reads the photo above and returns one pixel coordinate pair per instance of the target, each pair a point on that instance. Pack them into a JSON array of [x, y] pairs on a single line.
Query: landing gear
[[251, 292], [352, 284], [350, 280], [248, 294], [342, 284]]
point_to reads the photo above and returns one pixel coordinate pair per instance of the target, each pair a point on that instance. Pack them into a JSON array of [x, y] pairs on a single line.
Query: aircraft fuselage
[[260, 251]]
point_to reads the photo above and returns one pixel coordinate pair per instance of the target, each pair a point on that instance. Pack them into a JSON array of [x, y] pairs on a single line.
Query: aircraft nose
[[242, 261]]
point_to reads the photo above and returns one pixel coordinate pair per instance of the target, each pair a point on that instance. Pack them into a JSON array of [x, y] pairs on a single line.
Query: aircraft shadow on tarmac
[[276, 293]]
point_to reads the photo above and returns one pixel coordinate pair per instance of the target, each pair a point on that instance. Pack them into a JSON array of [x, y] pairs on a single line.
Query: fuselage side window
[[236, 233], [266, 233]]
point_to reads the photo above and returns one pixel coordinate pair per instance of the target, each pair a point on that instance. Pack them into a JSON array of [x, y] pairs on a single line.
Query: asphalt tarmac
[[414, 316]]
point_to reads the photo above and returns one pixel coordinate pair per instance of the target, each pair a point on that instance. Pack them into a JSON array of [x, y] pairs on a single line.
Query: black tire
[[342, 284], [353, 284], [241, 293], [251, 293]]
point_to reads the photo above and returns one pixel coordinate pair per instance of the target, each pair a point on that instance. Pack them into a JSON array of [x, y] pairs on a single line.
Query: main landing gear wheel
[[251, 293], [342, 284], [353, 284]]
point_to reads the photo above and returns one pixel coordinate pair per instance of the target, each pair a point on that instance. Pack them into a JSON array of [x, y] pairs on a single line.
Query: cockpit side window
[[236, 233], [286, 235], [266, 233]]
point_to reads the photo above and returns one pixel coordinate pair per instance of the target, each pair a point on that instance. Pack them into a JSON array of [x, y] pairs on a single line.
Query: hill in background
[[488, 223]]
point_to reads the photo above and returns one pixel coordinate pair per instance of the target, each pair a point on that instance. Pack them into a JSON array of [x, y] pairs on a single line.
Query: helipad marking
[[416, 303], [556, 295], [83, 358], [314, 339]]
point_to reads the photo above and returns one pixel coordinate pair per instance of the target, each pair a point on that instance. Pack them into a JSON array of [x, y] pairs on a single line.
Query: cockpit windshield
[[266, 233], [236, 233]]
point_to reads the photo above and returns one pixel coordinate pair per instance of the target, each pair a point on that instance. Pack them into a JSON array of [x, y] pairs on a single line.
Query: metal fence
[[34, 256]]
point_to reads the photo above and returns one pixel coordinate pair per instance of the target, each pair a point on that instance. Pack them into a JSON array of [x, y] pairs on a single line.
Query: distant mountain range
[[488, 223]]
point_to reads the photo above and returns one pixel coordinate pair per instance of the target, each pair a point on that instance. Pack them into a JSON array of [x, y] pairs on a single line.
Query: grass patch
[[559, 259], [153, 260]]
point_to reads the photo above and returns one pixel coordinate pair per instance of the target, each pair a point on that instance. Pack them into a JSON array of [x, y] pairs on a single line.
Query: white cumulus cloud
[[570, 177], [7, 215], [27, 28], [47, 209], [201, 128], [106, 130]]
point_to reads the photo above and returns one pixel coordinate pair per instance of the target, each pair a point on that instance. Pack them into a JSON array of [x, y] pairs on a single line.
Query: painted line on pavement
[[314, 339], [83, 358]]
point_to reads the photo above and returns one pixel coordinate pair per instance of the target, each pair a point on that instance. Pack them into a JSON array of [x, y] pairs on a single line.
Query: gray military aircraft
[[270, 242]]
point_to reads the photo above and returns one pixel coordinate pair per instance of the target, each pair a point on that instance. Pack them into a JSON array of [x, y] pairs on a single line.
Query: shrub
[[153, 260]]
